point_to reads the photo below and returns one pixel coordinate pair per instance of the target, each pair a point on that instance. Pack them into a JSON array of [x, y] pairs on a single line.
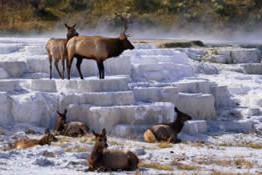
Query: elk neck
[[116, 47], [177, 125]]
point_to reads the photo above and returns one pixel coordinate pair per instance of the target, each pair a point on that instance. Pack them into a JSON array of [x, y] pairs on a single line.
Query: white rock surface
[[222, 96], [252, 68], [93, 84], [3, 73], [35, 108], [192, 86], [14, 68], [245, 126], [6, 48], [108, 117], [197, 105], [10, 85], [5, 108], [43, 85], [225, 55], [155, 94], [97, 98], [195, 126]]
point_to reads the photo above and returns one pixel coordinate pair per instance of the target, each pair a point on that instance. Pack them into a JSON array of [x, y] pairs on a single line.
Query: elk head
[[101, 139], [71, 31], [182, 116], [62, 115], [48, 138]]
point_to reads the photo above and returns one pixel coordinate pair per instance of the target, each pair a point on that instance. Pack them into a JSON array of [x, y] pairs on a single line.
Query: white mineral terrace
[[219, 87]]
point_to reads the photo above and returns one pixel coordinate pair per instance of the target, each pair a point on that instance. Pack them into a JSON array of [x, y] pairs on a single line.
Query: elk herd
[[99, 49], [101, 158]]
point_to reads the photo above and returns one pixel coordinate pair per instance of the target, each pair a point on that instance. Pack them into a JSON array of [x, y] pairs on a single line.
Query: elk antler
[[125, 22]]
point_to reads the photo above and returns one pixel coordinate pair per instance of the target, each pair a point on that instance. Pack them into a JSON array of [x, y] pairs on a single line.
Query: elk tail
[[149, 136]]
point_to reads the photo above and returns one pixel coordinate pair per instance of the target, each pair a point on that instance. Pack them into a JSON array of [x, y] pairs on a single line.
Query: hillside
[[24, 16]]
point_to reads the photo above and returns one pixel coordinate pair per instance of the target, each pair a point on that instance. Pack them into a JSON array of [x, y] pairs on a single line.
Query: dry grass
[[227, 173], [222, 173], [255, 145], [49, 154], [78, 150], [155, 165], [63, 139], [30, 131], [240, 162], [165, 145], [183, 166], [2, 132]]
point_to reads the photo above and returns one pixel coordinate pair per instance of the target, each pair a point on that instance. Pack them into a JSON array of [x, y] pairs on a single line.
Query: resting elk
[[167, 132], [72, 129], [57, 48], [98, 48], [46, 139], [105, 159]]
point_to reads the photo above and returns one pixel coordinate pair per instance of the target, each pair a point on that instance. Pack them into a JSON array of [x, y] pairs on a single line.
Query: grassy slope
[[23, 16]]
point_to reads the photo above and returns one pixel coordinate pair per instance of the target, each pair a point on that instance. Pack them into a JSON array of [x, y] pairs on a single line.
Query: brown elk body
[[110, 160], [72, 129], [26, 143], [57, 48], [97, 48], [167, 132]]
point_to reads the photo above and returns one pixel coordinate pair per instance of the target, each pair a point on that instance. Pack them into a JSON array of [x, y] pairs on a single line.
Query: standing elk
[[57, 48], [105, 159], [97, 48], [46, 139], [167, 132], [72, 129]]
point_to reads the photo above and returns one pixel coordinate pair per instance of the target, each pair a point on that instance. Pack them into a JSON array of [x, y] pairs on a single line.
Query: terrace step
[[14, 68], [88, 67], [10, 85], [97, 117], [90, 84], [97, 98], [161, 72]]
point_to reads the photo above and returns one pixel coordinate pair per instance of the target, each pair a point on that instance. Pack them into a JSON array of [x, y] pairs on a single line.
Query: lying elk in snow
[[46, 139], [57, 48], [106, 160], [97, 48], [72, 129], [167, 131]]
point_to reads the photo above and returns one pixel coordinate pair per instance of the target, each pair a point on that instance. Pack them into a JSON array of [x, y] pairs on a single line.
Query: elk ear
[[104, 132], [47, 131], [67, 26], [95, 134], [176, 110], [74, 26], [58, 113]]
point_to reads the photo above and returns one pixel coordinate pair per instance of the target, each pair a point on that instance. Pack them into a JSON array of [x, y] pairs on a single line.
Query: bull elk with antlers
[[98, 48]]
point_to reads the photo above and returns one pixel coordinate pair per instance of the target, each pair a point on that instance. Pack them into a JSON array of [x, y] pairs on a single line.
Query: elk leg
[[57, 69], [78, 66], [102, 70], [68, 66], [50, 66], [63, 68], [100, 66]]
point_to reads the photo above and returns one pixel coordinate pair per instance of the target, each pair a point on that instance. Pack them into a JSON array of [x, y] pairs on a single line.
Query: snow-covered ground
[[219, 87]]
